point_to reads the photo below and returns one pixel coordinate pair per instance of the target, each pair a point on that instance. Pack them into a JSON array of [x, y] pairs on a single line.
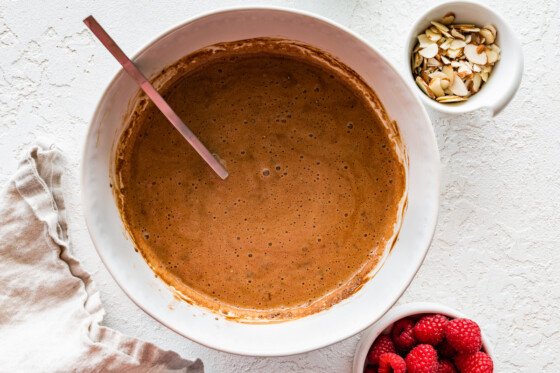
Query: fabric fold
[[50, 308]]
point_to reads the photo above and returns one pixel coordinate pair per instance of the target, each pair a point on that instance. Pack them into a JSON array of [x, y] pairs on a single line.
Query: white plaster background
[[496, 252]]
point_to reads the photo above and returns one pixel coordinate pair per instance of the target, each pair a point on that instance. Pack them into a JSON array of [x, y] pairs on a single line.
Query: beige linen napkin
[[50, 309]]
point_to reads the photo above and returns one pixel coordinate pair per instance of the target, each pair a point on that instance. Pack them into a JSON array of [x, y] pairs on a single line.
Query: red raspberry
[[383, 344], [446, 366], [391, 363], [422, 359], [403, 334], [463, 335], [444, 349], [430, 329], [479, 362]]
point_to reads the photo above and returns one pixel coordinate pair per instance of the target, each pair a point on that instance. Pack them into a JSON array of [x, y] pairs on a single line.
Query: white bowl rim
[[498, 103], [402, 311], [432, 222]]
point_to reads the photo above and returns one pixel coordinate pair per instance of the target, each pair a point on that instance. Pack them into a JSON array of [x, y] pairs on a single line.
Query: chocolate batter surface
[[314, 189]]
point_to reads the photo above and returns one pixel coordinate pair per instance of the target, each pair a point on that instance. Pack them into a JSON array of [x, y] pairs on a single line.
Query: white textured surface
[[496, 252]]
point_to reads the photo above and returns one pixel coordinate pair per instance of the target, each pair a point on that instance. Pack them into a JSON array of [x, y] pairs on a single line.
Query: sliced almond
[[448, 92], [455, 63], [468, 84], [481, 48], [434, 62], [487, 69], [424, 87], [454, 53], [492, 29], [435, 86], [473, 56], [433, 36], [439, 26], [446, 34], [448, 70], [457, 44], [470, 29], [424, 40], [484, 76], [430, 51], [475, 39], [476, 68], [424, 75], [495, 48], [487, 35], [464, 71], [446, 44], [492, 56], [430, 70], [438, 74], [458, 87], [444, 83], [462, 26], [445, 60], [463, 74], [468, 38], [448, 19], [417, 61], [433, 29], [450, 99], [457, 34], [477, 81]]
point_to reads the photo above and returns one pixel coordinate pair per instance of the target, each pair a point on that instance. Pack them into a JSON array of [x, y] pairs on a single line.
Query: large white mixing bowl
[[343, 320]]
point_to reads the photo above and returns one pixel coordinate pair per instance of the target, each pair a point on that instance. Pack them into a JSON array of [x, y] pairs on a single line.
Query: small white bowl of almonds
[[463, 56]]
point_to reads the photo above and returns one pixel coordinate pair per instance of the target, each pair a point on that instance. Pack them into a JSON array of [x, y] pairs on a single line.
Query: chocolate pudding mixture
[[315, 184]]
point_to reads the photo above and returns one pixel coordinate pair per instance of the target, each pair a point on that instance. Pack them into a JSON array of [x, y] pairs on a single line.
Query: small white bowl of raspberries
[[424, 338]]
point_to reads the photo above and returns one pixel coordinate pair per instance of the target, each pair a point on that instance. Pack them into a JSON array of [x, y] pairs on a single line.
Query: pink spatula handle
[[153, 94]]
